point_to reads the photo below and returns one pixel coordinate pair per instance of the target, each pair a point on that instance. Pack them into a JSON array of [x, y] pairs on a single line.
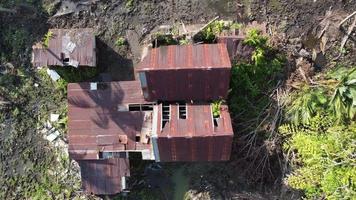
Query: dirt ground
[[294, 24]]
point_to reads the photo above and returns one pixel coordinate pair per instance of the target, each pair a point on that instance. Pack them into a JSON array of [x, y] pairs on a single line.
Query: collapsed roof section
[[187, 72], [108, 117], [104, 176], [66, 47]]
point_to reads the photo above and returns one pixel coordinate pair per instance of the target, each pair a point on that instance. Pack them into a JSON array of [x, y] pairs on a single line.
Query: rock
[[320, 61], [53, 74], [52, 136], [304, 53]]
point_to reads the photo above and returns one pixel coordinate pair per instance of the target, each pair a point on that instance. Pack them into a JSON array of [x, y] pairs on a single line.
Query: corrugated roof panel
[[94, 114], [186, 57], [104, 176], [84, 51]]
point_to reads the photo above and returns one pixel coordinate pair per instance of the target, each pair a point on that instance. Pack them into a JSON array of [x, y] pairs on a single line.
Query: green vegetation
[[325, 164], [14, 41], [209, 33], [39, 173], [120, 41], [183, 41], [129, 4], [251, 78], [322, 133], [46, 38], [216, 106]]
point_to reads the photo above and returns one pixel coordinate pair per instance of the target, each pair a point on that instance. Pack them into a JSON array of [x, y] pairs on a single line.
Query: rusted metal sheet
[[195, 138], [76, 44], [104, 176], [95, 123], [208, 148], [187, 72], [236, 47]]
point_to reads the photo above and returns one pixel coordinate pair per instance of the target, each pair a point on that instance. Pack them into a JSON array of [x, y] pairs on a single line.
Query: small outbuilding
[[66, 47]]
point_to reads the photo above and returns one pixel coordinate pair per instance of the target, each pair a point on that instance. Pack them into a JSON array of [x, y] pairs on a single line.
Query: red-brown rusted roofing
[[204, 56], [186, 72], [195, 138], [95, 122], [104, 176], [199, 122], [83, 52]]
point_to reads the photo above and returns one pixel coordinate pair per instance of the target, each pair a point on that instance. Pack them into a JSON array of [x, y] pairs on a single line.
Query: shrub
[[121, 41], [324, 164], [251, 78], [46, 38]]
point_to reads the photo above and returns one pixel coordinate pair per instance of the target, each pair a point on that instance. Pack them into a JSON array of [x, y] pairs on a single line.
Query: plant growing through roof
[[184, 41], [46, 38], [216, 107]]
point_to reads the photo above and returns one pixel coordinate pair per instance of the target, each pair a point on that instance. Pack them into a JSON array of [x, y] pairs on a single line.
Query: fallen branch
[[346, 37], [344, 20]]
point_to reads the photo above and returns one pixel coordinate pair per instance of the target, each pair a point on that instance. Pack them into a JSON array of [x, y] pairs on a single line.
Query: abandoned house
[[66, 47], [166, 115]]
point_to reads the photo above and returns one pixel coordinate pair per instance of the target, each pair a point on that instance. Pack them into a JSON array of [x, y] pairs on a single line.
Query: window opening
[[182, 110], [215, 122], [166, 112], [138, 138], [108, 154], [140, 107]]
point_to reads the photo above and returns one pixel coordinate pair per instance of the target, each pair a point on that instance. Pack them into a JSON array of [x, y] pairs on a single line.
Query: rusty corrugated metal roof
[[199, 122], [82, 40], [104, 176], [195, 138], [95, 122], [188, 72], [203, 56]]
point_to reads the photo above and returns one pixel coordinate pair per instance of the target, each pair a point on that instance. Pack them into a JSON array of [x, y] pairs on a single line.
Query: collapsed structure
[[166, 115]]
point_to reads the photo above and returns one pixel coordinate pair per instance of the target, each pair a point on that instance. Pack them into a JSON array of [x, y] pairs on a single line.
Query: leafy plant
[[121, 41], [343, 100], [250, 78], [129, 4], [46, 38], [305, 104], [324, 163], [209, 33], [184, 41], [216, 108]]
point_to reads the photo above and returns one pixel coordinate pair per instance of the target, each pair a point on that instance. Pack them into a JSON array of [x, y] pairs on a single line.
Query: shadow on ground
[[111, 63]]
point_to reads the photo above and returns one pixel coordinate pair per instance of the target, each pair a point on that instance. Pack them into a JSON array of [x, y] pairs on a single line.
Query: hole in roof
[[102, 86], [182, 110], [137, 138], [166, 112]]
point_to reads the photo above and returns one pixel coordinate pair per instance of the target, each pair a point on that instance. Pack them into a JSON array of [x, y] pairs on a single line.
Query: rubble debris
[[69, 7], [52, 135], [53, 74], [54, 117]]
